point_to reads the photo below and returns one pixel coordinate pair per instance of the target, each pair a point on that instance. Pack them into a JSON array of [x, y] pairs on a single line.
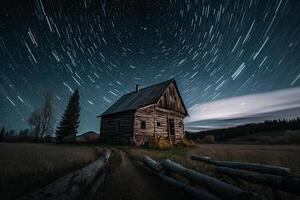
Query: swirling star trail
[[214, 49]]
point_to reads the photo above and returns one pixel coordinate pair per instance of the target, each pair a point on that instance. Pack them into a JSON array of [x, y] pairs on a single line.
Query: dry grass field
[[281, 155], [26, 167]]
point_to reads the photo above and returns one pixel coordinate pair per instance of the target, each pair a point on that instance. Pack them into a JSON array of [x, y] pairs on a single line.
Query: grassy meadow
[[25, 167], [280, 155]]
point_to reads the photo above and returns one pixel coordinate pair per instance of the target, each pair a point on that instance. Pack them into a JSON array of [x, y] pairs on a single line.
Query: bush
[[293, 137], [252, 138], [187, 143], [209, 139], [267, 140], [162, 144]]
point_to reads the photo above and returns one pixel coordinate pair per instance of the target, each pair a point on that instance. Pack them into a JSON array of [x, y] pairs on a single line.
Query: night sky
[[225, 56]]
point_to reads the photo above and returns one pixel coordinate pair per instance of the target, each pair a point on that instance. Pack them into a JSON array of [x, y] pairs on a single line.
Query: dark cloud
[[245, 109]]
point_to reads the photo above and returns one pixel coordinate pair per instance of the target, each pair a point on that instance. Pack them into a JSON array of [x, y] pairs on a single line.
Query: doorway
[[171, 127]]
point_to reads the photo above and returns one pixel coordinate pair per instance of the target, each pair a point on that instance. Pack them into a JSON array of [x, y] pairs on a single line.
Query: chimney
[[137, 87]]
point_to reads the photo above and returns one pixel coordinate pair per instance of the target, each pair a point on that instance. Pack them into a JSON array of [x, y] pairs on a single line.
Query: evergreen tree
[[70, 119]]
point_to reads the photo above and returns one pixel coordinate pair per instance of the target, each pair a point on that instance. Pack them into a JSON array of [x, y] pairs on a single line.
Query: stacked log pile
[[276, 177], [72, 186], [192, 191], [202, 186]]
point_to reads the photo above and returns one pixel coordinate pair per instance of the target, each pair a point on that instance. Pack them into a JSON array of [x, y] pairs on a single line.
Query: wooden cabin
[[145, 115]]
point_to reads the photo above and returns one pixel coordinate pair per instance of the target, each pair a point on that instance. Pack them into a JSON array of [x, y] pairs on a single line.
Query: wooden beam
[[268, 169]]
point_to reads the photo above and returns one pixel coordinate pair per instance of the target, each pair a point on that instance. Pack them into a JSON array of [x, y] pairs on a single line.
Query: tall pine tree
[[70, 119]]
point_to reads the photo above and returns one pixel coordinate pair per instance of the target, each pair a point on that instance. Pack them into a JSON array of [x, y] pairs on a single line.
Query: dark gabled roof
[[134, 100]]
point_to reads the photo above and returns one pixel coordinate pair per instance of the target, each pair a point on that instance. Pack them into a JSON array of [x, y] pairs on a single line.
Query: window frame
[[143, 124], [119, 125], [180, 124]]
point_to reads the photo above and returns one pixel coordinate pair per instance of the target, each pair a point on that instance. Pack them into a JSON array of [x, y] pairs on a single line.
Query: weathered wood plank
[[171, 100]]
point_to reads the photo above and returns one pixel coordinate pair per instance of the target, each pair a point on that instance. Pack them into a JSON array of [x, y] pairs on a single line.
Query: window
[[143, 124], [157, 123], [180, 124], [110, 123]]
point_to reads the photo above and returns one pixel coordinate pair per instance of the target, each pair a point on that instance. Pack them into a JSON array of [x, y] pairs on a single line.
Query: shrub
[[267, 140], [293, 137], [187, 143], [252, 138], [209, 139], [162, 144]]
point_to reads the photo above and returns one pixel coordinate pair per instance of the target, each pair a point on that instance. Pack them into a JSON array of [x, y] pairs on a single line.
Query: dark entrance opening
[[171, 127]]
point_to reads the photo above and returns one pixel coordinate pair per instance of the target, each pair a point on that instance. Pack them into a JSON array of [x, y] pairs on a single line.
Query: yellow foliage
[[163, 144], [187, 143]]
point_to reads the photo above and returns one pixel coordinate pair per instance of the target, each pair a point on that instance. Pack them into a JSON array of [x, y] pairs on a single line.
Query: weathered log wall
[[146, 134], [156, 125], [163, 116], [117, 128]]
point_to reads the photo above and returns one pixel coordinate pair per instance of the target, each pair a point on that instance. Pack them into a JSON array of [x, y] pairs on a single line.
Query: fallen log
[[288, 184], [214, 185], [72, 185], [152, 164], [267, 169], [96, 185], [195, 193], [192, 191]]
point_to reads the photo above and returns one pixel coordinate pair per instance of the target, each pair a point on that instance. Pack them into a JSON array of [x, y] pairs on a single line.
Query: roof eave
[[104, 115]]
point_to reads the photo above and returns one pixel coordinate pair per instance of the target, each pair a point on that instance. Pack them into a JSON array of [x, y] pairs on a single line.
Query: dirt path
[[128, 182]]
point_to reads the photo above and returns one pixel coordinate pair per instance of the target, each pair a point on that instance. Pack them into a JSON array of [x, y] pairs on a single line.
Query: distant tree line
[[24, 135], [41, 122], [247, 129]]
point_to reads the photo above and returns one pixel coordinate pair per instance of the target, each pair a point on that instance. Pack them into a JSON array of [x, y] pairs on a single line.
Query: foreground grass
[[25, 167], [279, 155]]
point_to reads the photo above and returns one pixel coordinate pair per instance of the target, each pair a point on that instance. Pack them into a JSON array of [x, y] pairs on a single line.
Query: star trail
[[215, 50]]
